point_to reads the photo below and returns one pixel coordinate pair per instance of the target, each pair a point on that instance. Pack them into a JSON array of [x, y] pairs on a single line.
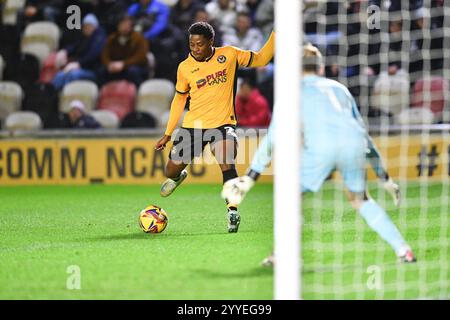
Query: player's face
[[201, 48]]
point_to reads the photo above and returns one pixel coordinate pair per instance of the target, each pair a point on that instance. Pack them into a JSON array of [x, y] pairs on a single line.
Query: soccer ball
[[153, 219]]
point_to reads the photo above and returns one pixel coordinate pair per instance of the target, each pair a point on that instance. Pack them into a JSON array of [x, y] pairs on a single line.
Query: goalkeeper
[[334, 137]]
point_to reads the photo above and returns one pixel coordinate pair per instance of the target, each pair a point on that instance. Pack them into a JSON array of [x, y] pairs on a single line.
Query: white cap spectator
[[91, 19], [77, 104]]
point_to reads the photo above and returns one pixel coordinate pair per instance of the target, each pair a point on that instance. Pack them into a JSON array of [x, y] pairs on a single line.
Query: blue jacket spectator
[[81, 60], [87, 52], [151, 16]]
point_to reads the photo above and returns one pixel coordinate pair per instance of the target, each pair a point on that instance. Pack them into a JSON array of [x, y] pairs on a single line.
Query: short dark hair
[[203, 29]]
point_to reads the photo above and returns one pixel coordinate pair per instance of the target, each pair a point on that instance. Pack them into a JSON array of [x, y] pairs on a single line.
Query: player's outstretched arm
[[263, 56], [176, 110], [376, 161]]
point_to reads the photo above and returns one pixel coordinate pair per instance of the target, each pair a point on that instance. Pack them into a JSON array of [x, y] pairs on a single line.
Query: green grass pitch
[[45, 230]]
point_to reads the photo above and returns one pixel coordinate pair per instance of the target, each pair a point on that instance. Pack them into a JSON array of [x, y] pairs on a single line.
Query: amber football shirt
[[211, 85]]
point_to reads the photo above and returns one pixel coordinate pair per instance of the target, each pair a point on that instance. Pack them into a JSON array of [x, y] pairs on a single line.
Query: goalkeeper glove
[[234, 190]]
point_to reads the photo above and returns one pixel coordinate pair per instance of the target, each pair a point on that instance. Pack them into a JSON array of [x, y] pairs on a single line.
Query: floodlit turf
[[45, 231], [344, 259]]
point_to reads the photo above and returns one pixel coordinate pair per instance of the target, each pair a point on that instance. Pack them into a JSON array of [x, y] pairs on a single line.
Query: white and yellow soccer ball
[[153, 219]]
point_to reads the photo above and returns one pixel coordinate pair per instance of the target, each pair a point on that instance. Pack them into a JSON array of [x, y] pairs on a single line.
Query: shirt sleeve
[[182, 85], [176, 111], [244, 57]]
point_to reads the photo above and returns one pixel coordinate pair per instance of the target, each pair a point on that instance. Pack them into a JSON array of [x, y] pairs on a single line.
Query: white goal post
[[287, 199]]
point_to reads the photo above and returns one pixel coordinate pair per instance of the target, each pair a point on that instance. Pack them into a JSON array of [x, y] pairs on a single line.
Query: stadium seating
[[24, 70], [43, 31], [2, 67], [83, 90], [118, 97], [41, 98], [57, 121], [10, 40], [162, 122], [11, 95], [138, 120], [106, 118], [432, 93], [40, 39], [10, 11], [155, 97], [40, 50], [415, 116], [23, 120], [49, 69]]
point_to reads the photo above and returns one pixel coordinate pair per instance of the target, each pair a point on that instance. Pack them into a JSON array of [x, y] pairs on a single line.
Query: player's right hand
[[161, 144], [234, 190]]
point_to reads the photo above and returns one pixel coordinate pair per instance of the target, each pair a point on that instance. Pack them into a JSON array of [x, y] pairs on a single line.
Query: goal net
[[394, 56]]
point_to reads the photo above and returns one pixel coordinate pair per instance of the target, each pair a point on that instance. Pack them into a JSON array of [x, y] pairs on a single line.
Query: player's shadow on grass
[[147, 237], [256, 272]]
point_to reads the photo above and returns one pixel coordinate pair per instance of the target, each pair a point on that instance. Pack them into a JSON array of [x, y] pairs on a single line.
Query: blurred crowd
[[393, 55], [387, 68]]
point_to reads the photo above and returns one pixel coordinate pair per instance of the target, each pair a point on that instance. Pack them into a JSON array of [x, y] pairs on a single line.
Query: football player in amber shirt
[[206, 81]]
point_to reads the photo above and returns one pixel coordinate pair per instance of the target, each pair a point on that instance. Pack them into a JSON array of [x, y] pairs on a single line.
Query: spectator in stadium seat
[[252, 109], [81, 59], [223, 13], [151, 16], [252, 6], [391, 90], [49, 10], [264, 16], [201, 15], [78, 117], [109, 11], [427, 41], [183, 13], [244, 36], [124, 56]]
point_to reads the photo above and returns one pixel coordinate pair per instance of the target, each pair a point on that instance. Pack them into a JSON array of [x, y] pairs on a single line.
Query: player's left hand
[[234, 190]]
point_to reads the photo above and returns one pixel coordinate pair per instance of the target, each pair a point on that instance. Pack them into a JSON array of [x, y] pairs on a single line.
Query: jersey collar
[[207, 59]]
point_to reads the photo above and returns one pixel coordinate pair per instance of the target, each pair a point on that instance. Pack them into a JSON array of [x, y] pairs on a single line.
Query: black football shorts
[[189, 143]]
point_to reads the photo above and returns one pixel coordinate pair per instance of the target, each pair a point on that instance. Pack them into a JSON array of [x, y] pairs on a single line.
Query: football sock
[[379, 221], [177, 178], [229, 174]]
